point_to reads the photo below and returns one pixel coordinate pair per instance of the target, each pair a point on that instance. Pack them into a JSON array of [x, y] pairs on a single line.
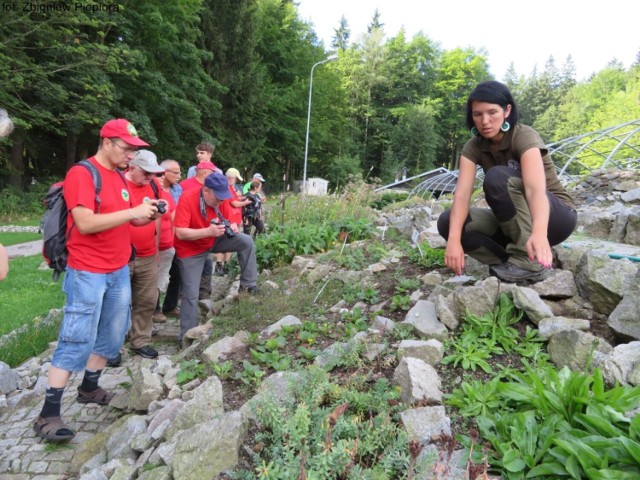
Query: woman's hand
[[539, 249], [454, 257]]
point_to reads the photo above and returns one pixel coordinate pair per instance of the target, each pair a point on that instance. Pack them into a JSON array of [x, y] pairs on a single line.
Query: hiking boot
[[146, 351], [159, 317], [250, 290], [173, 313], [508, 272], [115, 361], [218, 271]]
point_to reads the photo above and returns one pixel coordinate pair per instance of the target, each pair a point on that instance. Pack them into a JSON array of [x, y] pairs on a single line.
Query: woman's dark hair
[[493, 92]]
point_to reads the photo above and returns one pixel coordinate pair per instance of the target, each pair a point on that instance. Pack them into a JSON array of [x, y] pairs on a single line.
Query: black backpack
[[54, 222]]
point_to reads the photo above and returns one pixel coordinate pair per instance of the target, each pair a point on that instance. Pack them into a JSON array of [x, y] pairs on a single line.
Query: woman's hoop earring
[[474, 131], [505, 126]]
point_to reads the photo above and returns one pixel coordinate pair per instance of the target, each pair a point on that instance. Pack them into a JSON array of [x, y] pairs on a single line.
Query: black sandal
[[52, 429]]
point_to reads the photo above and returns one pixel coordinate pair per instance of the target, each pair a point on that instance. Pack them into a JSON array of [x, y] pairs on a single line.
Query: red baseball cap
[[123, 129], [206, 166]]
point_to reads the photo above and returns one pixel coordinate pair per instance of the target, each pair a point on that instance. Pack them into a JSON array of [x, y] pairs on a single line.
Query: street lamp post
[[306, 143]]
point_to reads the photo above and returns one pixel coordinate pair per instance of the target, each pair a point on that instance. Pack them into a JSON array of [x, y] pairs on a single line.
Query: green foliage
[[34, 335], [17, 203], [222, 370], [487, 335], [251, 374], [190, 370], [357, 292], [406, 285], [331, 431], [400, 302], [426, 256], [563, 424], [15, 238], [475, 397], [387, 198]]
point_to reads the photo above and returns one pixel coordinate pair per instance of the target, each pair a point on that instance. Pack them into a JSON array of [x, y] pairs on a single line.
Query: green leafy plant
[[475, 397], [426, 256], [407, 285], [222, 370], [400, 302], [321, 430], [189, 370], [251, 374], [557, 424]]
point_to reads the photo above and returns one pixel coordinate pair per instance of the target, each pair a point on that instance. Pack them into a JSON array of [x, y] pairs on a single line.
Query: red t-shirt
[[188, 215], [231, 213], [106, 251], [166, 225], [143, 238], [190, 184]]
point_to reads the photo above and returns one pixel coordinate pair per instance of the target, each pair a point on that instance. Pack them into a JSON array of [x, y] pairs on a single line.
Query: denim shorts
[[97, 316]]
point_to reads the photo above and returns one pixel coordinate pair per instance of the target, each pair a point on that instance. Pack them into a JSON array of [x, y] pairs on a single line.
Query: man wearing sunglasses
[[200, 230]]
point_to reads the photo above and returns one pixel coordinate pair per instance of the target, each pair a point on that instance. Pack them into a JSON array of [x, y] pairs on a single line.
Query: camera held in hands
[[162, 208], [227, 227]]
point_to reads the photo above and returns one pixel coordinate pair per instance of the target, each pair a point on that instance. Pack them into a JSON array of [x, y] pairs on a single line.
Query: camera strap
[[220, 217]]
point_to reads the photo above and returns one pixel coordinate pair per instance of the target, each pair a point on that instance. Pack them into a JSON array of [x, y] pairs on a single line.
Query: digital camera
[[229, 233]]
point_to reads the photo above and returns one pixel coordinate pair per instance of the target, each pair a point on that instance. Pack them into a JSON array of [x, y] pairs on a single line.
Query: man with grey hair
[[169, 273], [144, 268]]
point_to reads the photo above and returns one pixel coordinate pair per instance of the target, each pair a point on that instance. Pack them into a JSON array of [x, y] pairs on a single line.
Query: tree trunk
[[72, 147], [17, 160]]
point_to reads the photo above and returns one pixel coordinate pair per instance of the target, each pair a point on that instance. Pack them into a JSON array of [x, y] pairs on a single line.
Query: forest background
[[237, 72]]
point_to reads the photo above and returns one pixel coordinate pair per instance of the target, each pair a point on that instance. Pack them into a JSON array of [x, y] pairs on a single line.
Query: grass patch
[[14, 238], [27, 296], [27, 293], [30, 343], [30, 221]]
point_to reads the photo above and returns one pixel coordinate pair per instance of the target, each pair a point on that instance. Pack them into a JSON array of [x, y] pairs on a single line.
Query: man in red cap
[[97, 308]]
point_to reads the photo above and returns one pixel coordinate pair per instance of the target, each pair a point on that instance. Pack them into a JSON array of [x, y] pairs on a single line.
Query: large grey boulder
[[8, 379], [604, 281], [529, 301], [146, 386], [205, 405], [418, 381], [429, 351], [573, 348], [479, 299], [226, 346], [550, 326], [424, 423], [560, 284], [424, 319], [595, 223], [286, 321], [625, 318], [206, 450], [621, 362]]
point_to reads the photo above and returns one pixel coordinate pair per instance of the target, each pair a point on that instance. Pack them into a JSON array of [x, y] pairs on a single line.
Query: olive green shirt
[[516, 141]]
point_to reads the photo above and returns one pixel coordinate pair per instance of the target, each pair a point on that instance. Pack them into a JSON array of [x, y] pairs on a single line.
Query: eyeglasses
[[125, 150], [175, 172]]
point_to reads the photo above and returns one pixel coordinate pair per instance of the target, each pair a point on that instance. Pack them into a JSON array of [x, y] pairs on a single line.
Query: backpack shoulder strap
[[97, 179]]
